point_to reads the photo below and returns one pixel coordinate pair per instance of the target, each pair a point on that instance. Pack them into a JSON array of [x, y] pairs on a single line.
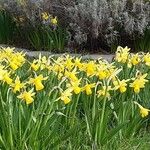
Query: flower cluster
[[73, 76], [48, 19]]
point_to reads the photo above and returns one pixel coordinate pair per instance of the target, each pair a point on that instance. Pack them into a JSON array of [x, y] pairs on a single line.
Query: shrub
[[109, 20]]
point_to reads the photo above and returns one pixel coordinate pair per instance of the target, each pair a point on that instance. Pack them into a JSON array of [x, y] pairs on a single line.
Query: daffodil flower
[[78, 63], [88, 88], [122, 54], [5, 75], [17, 86], [75, 86], [45, 16], [146, 59], [13, 65], [134, 59], [27, 96], [65, 95], [35, 65], [6, 78], [8, 51], [143, 111], [71, 75], [90, 68], [68, 62], [54, 21], [104, 91], [102, 74], [139, 83], [37, 81], [2, 72], [121, 85]]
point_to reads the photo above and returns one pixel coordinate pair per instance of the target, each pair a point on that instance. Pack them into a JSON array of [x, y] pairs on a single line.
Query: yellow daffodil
[[37, 81], [27, 96], [8, 51], [143, 111], [54, 21], [5, 75], [71, 75], [121, 85], [17, 86], [65, 95], [13, 65], [58, 68], [2, 72], [122, 54], [16, 60], [19, 58], [88, 88], [76, 89], [78, 63], [35, 65], [146, 58], [90, 68], [112, 71], [102, 74], [7, 79], [135, 59], [45, 16], [104, 91], [68, 63], [75, 86], [139, 83]]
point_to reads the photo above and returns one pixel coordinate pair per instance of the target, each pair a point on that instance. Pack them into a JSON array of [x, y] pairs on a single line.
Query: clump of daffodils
[[82, 77], [48, 19]]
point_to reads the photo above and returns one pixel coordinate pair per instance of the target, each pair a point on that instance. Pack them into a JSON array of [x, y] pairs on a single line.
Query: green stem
[[74, 109], [102, 118], [19, 120], [102, 115]]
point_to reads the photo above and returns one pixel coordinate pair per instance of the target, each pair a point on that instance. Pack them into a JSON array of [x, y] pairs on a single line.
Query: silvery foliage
[[107, 18]]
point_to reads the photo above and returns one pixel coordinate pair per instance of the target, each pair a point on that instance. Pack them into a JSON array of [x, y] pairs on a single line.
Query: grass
[[136, 143]]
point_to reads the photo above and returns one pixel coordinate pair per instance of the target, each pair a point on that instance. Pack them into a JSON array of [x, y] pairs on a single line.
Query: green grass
[[136, 143]]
